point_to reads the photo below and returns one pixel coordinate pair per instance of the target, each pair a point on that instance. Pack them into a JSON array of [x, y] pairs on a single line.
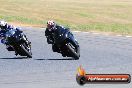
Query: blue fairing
[[64, 34], [60, 35]]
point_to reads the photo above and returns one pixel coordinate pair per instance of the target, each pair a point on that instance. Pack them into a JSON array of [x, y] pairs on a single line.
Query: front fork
[[24, 38]]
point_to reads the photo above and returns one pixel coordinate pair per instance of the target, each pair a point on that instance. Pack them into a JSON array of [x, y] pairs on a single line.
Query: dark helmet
[[51, 25]]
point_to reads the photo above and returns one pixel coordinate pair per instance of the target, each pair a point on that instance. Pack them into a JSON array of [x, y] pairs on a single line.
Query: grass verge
[[87, 15]]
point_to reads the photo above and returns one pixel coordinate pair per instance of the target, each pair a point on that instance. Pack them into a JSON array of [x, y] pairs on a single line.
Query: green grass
[[116, 28], [84, 15], [21, 19]]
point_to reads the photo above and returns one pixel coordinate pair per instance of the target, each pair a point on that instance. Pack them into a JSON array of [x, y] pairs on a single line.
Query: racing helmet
[[51, 25], [3, 24]]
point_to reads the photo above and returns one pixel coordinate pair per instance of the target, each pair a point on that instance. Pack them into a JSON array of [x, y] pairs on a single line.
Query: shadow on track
[[15, 58], [57, 59]]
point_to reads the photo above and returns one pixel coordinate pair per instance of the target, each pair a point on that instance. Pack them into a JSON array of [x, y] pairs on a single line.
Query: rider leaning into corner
[[4, 27], [50, 30]]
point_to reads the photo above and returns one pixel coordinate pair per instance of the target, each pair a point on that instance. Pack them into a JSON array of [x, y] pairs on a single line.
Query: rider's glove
[[49, 40], [3, 41]]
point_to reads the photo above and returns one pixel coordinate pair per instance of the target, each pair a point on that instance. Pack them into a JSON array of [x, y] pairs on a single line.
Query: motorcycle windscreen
[[10, 33], [12, 36], [60, 35]]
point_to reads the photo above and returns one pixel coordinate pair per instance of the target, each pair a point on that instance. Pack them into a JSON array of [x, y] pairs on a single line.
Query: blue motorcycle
[[66, 43], [19, 43]]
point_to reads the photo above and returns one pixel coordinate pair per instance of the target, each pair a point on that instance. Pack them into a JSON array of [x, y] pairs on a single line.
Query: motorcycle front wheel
[[25, 51], [73, 51]]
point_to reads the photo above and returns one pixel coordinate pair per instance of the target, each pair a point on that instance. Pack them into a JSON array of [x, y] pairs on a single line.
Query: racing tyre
[[73, 51], [25, 51]]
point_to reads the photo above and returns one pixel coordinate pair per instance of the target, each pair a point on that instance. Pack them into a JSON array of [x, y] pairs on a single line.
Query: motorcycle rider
[[50, 30], [4, 27]]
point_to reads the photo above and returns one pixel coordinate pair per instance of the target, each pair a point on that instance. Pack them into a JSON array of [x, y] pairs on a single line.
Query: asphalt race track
[[99, 54]]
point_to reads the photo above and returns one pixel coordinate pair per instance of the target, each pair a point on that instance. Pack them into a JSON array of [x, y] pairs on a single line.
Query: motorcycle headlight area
[[10, 33]]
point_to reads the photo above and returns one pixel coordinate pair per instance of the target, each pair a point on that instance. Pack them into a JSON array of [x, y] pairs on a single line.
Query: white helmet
[[51, 25], [3, 23]]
